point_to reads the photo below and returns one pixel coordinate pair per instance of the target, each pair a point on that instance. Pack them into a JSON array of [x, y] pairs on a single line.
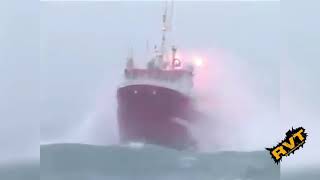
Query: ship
[[154, 103]]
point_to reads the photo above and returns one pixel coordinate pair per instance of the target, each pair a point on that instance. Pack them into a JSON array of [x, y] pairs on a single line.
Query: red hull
[[147, 113]]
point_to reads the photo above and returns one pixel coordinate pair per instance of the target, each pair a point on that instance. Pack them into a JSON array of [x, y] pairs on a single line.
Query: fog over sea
[[259, 78]]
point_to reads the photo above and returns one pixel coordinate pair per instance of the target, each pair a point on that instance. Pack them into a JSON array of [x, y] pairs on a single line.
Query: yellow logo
[[295, 138]]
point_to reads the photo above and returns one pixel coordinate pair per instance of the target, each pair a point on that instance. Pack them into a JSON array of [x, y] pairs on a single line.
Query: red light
[[198, 62], [176, 63]]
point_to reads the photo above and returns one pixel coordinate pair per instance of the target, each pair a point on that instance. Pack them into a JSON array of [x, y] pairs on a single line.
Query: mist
[[19, 92], [83, 47]]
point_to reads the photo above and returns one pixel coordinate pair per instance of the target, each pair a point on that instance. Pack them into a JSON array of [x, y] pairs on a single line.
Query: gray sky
[[300, 80], [19, 85], [83, 46]]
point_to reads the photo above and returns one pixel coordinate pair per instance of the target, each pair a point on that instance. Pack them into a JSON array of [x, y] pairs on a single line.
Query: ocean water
[[311, 173], [20, 170], [148, 162]]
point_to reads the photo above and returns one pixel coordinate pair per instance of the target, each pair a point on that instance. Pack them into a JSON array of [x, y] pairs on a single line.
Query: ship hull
[[154, 115]]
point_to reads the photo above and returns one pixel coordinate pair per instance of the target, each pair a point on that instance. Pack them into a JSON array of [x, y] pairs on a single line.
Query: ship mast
[[164, 29], [166, 23]]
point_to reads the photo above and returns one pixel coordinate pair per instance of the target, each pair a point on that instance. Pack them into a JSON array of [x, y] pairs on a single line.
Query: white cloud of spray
[[100, 123], [238, 117]]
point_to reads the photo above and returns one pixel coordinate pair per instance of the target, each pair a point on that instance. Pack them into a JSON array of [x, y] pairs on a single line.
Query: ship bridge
[[180, 80]]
